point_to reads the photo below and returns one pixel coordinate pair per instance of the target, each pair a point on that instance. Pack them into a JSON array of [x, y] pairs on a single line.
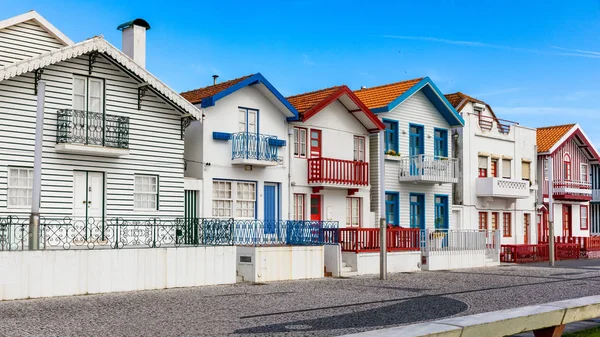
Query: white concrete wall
[[33, 274], [519, 144], [397, 262], [338, 128], [281, 263], [215, 155], [446, 260], [333, 259]]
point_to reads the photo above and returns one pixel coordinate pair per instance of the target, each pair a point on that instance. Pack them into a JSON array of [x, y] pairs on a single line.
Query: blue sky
[[534, 62]]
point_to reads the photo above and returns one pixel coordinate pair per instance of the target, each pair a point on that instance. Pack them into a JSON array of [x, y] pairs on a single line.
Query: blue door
[[440, 148], [270, 215], [415, 148], [441, 212], [392, 208], [417, 211]]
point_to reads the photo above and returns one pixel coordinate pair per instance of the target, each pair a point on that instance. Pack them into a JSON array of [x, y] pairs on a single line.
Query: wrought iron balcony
[[337, 172], [428, 169], [502, 188], [77, 127], [255, 149]]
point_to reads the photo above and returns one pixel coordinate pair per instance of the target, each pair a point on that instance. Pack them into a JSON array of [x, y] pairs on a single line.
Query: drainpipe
[[34, 219], [382, 224], [551, 210], [290, 143]]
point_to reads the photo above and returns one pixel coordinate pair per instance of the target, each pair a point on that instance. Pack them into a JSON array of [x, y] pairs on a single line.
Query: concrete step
[[346, 269], [348, 273], [239, 278]]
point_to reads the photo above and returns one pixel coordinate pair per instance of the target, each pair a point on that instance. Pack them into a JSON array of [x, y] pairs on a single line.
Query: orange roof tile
[[547, 136], [303, 102], [196, 96], [380, 96], [459, 99]]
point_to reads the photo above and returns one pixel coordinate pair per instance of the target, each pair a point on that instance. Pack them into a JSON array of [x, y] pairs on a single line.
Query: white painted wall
[[338, 128], [281, 263], [155, 145], [416, 110], [397, 262], [333, 259], [33, 274], [24, 40], [519, 144], [447, 260], [213, 157]]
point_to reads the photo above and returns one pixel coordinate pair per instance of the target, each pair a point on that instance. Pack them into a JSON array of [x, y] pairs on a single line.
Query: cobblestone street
[[326, 307]]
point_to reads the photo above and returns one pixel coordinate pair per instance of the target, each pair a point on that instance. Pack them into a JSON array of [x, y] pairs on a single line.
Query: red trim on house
[[588, 145], [317, 189], [344, 90], [351, 191]]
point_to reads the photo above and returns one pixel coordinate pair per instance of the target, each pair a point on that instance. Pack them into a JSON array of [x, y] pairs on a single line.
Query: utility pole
[[382, 221], [551, 211], [34, 218]]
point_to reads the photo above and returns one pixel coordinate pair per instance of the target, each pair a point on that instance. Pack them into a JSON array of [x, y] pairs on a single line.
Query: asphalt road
[[326, 307]]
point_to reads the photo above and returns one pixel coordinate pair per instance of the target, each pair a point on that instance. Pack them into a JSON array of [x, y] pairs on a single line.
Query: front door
[[191, 221], [417, 211], [270, 208], [567, 230], [526, 221], [415, 148], [88, 202], [441, 212], [315, 207]]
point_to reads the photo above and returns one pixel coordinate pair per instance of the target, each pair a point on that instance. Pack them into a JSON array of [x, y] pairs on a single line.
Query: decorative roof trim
[[576, 129], [100, 45], [344, 90], [434, 95], [252, 80], [35, 16]]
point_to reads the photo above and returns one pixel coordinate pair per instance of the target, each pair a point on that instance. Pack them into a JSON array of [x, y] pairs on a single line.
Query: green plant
[[392, 153]]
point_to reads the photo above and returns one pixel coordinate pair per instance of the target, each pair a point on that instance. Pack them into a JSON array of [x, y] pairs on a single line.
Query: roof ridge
[[390, 84], [221, 83], [316, 91]]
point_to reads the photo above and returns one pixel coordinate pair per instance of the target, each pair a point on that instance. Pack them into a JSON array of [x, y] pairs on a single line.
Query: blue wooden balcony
[[255, 149]]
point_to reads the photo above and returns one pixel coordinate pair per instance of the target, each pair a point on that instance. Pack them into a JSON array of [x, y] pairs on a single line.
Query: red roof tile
[[303, 102], [548, 136], [196, 96], [380, 96]]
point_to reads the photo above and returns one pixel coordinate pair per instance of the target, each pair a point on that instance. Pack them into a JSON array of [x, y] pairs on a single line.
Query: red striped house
[[566, 154]]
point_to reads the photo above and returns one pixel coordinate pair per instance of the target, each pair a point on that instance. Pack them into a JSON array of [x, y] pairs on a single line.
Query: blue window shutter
[[221, 136]]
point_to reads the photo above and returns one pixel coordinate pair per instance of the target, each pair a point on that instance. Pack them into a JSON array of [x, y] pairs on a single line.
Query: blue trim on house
[[277, 142], [252, 80], [434, 95], [445, 204], [395, 135], [422, 203], [221, 135], [444, 139]]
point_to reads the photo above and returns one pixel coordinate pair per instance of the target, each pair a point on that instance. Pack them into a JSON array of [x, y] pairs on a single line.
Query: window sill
[[390, 157]]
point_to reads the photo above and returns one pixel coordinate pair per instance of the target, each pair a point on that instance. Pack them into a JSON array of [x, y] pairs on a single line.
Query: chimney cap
[[136, 22]]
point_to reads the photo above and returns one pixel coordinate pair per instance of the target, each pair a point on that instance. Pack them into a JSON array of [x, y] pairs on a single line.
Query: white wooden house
[[330, 165], [240, 153], [497, 182], [112, 135], [418, 171]]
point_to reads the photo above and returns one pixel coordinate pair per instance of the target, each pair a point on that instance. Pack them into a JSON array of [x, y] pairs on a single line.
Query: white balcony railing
[[426, 168], [572, 188], [502, 188]]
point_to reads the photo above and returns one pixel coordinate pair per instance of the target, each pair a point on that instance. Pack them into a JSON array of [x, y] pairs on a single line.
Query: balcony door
[[315, 143], [567, 225], [88, 110], [415, 148], [248, 130]]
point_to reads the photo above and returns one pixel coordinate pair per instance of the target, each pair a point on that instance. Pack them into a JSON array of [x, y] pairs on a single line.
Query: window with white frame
[[248, 119], [88, 94], [145, 195], [246, 200], [583, 170], [352, 211], [299, 205], [359, 148], [482, 165], [20, 184], [300, 142], [506, 168], [222, 199]]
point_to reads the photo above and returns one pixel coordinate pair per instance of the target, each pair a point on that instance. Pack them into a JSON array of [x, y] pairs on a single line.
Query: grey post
[[382, 220], [550, 211], [34, 219]]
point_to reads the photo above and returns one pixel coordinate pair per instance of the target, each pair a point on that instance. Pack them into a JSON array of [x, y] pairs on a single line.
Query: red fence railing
[[537, 253], [363, 240], [337, 171], [588, 244]]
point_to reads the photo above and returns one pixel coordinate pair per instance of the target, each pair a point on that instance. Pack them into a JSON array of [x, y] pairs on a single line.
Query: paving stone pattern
[[326, 307]]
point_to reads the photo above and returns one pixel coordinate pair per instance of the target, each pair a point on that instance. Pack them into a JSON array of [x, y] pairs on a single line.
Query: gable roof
[[208, 96], [386, 97], [310, 103], [551, 138], [43, 23], [114, 55], [459, 100]]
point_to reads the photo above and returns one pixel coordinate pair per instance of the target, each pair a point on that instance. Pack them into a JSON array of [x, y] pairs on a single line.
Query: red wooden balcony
[[366, 240], [337, 172], [570, 190]]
